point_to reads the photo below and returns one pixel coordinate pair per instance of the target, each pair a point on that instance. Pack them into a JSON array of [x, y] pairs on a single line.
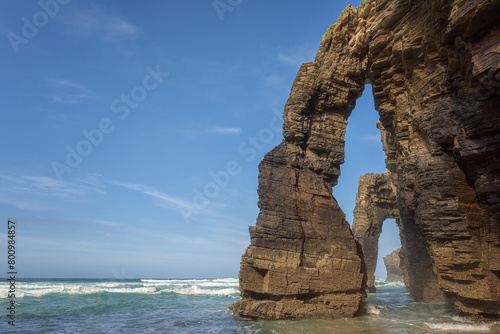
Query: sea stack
[[434, 67], [393, 267]]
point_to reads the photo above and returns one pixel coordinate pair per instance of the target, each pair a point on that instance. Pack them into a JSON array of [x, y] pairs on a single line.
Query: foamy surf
[[215, 287], [476, 328], [383, 282], [372, 309]]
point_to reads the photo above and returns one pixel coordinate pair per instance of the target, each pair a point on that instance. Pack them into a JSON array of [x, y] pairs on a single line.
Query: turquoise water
[[200, 306]]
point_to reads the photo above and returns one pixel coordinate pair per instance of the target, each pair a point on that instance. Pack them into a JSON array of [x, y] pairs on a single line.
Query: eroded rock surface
[[375, 202], [303, 260], [435, 70], [393, 267]]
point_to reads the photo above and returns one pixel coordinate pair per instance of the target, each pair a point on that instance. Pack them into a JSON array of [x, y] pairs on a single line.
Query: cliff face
[[393, 267], [434, 68], [303, 260], [375, 202]]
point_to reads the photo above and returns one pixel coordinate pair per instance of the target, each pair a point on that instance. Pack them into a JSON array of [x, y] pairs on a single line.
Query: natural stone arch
[[375, 202], [434, 67]]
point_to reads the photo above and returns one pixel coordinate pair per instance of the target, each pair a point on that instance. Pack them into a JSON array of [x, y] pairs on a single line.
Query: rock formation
[[393, 267], [435, 74], [375, 202], [303, 260]]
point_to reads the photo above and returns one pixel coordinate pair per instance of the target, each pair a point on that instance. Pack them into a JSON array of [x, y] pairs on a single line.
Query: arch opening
[[388, 266]]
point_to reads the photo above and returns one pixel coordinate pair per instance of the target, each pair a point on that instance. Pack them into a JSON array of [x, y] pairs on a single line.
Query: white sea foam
[[221, 281], [184, 284], [221, 287], [196, 290], [382, 282], [372, 309], [460, 327]]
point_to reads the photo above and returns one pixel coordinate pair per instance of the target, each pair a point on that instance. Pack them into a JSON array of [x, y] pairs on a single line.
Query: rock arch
[[434, 68], [375, 202]]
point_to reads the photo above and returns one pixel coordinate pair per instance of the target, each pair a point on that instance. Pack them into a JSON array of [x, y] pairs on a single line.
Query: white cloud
[[69, 91], [170, 202], [165, 198], [69, 98], [94, 22], [37, 193], [110, 223], [295, 59], [43, 186], [371, 138], [67, 83], [274, 80], [224, 131], [197, 130]]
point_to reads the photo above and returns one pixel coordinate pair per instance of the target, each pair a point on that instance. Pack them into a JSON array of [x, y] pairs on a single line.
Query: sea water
[[201, 306]]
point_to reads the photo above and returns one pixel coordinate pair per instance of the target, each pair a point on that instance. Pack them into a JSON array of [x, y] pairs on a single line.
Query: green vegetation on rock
[[330, 28]]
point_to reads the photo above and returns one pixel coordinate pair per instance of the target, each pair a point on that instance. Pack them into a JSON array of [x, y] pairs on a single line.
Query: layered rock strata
[[435, 73], [375, 202], [393, 267], [303, 260]]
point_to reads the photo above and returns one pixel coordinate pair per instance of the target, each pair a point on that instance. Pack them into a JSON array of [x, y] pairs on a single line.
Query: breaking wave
[[213, 287], [460, 327]]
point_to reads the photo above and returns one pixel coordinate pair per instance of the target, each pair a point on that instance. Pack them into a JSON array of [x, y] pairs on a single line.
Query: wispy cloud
[[170, 202], [66, 83], [93, 21], [69, 98], [50, 187], [165, 198], [224, 131], [274, 80], [296, 58], [28, 191], [69, 91], [371, 138], [197, 130], [108, 223]]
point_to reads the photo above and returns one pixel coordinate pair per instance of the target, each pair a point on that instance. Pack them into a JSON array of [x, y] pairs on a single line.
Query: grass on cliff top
[[332, 26]]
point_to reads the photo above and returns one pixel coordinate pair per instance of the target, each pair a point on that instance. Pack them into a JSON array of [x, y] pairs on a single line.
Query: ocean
[[200, 306]]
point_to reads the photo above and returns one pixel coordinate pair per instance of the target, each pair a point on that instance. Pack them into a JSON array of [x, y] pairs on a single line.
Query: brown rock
[[393, 267], [375, 202], [303, 260], [433, 66]]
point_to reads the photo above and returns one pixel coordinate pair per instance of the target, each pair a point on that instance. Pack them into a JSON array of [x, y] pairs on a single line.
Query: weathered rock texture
[[303, 260], [393, 267], [375, 202], [434, 68]]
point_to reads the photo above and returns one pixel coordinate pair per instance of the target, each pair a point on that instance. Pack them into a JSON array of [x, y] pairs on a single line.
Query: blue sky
[[131, 131]]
